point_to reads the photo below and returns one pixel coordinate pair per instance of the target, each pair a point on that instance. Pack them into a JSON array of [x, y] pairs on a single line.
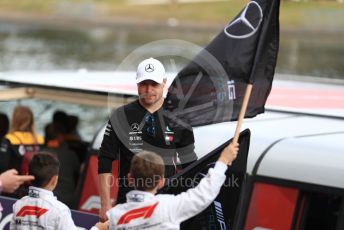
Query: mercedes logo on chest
[[135, 127], [149, 68]]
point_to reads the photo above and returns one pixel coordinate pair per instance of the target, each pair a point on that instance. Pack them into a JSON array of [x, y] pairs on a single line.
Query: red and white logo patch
[[31, 211], [145, 213]]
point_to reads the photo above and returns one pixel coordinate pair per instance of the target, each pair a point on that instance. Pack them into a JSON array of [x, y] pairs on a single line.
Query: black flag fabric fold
[[225, 211], [210, 89]]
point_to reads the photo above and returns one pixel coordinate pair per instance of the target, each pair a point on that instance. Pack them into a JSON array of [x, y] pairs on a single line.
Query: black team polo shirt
[[131, 129]]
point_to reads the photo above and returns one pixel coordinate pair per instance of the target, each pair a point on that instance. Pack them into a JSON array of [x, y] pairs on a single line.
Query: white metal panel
[[265, 130], [314, 159], [208, 137]]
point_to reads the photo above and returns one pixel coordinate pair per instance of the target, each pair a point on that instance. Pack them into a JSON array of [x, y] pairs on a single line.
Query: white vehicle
[[295, 167]]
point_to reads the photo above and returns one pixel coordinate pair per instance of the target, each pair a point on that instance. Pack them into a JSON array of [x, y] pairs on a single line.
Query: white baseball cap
[[150, 69]]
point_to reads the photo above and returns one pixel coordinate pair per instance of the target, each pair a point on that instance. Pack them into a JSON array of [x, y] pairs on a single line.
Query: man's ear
[[53, 181], [161, 183]]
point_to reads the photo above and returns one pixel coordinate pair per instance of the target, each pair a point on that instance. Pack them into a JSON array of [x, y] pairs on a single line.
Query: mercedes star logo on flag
[[247, 23]]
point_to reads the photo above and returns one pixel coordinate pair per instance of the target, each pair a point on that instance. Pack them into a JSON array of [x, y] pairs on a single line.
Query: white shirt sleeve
[[12, 225], [65, 221], [195, 200]]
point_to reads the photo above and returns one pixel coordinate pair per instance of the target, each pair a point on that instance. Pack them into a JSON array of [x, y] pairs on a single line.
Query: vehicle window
[[277, 207], [271, 207], [322, 211]]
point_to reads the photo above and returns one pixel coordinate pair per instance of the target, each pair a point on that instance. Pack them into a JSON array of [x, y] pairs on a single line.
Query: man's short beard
[[143, 96]]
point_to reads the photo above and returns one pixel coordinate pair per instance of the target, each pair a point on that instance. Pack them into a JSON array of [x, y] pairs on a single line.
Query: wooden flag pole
[[242, 112]]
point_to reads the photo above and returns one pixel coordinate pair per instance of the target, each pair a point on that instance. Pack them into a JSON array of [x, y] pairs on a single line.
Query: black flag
[[210, 89], [225, 211]]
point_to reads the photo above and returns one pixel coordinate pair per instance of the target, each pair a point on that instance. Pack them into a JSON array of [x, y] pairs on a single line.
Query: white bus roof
[[287, 146]]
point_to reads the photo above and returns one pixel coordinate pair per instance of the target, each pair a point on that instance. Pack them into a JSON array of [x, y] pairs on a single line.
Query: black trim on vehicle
[[319, 134], [295, 220], [241, 215], [263, 154], [340, 223]]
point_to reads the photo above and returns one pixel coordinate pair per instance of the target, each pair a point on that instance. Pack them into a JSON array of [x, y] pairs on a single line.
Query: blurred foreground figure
[[21, 142], [144, 209]]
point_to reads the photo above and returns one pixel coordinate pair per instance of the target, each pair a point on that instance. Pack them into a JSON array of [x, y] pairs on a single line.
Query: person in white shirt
[[145, 210], [40, 209]]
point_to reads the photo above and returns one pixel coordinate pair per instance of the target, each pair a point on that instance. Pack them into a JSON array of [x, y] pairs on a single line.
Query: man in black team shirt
[[142, 125]]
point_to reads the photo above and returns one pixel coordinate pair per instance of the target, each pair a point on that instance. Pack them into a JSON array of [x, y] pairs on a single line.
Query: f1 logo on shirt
[[145, 212], [31, 211]]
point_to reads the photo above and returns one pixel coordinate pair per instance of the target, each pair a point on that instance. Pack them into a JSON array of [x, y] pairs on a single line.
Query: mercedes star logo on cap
[[149, 68]]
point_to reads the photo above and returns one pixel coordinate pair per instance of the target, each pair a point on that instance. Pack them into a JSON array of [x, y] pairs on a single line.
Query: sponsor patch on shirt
[[33, 193], [137, 197]]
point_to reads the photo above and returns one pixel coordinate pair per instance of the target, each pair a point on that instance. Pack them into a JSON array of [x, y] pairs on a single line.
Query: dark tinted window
[[322, 211]]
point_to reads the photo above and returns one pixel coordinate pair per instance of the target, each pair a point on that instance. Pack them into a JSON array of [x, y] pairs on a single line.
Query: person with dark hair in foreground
[[40, 209], [145, 210], [49, 213]]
